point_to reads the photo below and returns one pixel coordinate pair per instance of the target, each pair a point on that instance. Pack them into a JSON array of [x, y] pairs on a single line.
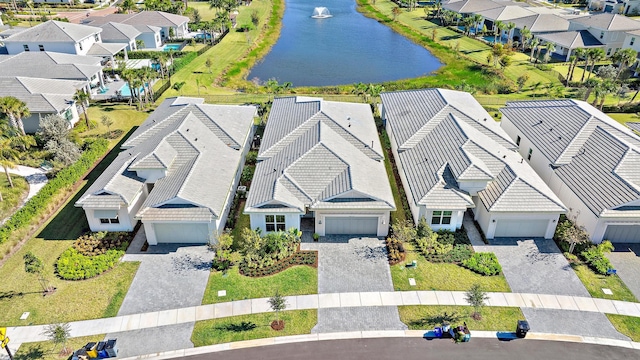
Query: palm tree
[[525, 35], [590, 84], [396, 11], [497, 30], [82, 98], [578, 54], [8, 156], [624, 58], [15, 109], [468, 23], [126, 6], [477, 20], [551, 47], [595, 54], [160, 58], [534, 44], [510, 27]]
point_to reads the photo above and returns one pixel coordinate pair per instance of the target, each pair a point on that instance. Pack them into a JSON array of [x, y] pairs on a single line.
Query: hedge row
[[149, 54], [65, 178], [309, 258], [483, 263], [184, 61], [72, 265]]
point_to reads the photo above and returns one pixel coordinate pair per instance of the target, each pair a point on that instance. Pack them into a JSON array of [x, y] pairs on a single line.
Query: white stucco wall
[[612, 40], [32, 123], [125, 215], [456, 219], [291, 220], [69, 47], [151, 175], [151, 40]]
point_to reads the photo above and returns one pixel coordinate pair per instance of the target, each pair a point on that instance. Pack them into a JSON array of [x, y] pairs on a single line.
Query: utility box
[[111, 347]]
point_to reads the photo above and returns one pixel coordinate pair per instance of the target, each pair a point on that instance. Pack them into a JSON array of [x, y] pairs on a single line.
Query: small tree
[[277, 303], [82, 99], [573, 234], [208, 64], [522, 80], [476, 298], [404, 231], [106, 121], [59, 334], [396, 11], [255, 19], [33, 265]]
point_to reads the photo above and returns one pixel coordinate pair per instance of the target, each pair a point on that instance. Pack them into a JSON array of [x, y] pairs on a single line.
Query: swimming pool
[[126, 91], [168, 47]]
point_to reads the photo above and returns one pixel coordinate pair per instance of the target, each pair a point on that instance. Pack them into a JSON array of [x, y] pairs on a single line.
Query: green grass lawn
[[206, 12], [46, 350], [297, 280], [623, 118], [626, 325], [12, 196], [441, 276], [596, 282], [124, 118], [399, 214], [243, 222], [428, 317], [249, 327]]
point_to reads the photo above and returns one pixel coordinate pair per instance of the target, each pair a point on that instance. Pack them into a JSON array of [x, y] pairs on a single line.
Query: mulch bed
[[277, 325], [308, 258]]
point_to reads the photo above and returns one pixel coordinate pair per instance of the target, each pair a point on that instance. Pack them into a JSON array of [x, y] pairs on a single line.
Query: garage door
[[623, 233], [351, 225], [181, 233], [521, 228]]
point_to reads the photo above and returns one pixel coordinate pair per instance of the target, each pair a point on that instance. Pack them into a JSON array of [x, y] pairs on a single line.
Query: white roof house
[[322, 160], [120, 33], [589, 160], [609, 29], [163, 20], [452, 156], [177, 173]]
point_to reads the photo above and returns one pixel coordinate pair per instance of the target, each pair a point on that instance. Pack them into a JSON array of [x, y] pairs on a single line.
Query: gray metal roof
[[314, 151], [113, 31], [572, 39], [597, 157], [49, 65], [505, 13], [54, 31], [608, 21], [40, 95], [541, 23], [201, 159], [154, 18], [634, 126], [451, 146], [471, 6]]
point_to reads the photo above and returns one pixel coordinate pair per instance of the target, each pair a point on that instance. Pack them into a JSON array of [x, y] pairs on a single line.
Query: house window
[[530, 152], [110, 221], [41, 47], [25, 47], [633, 40], [518, 140], [608, 51], [601, 34], [441, 218], [274, 222]]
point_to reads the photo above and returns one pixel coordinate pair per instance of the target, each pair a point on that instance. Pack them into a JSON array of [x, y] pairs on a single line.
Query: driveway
[[170, 276], [626, 260], [353, 264]]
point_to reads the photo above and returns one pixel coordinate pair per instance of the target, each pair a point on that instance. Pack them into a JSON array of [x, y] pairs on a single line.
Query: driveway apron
[[626, 260]]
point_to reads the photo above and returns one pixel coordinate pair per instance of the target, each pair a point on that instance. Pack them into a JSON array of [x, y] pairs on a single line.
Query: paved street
[[416, 348]]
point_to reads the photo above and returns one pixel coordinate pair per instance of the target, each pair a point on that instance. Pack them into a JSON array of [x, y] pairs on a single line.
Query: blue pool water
[[126, 91], [168, 47], [490, 39], [202, 36]]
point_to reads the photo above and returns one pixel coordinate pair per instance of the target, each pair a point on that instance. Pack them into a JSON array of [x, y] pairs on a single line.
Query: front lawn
[[124, 118], [626, 325], [12, 196], [623, 118], [441, 276], [493, 318], [249, 327], [596, 282], [297, 280], [46, 350]]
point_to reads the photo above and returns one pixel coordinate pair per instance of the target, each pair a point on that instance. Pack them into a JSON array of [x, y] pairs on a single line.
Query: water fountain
[[321, 12]]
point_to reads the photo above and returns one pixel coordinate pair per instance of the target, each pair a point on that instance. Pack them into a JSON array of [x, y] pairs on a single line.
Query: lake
[[344, 49]]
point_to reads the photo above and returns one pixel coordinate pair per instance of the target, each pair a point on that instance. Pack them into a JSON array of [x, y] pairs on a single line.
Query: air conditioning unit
[[242, 189]]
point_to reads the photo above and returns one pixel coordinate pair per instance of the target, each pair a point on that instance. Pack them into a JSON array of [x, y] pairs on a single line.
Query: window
[[518, 140], [601, 34], [274, 222], [41, 47], [608, 51], [530, 152], [26, 47], [441, 217], [110, 221], [97, 38], [80, 46], [633, 40]]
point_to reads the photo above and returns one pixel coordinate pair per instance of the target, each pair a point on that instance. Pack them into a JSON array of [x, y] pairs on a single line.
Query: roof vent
[[540, 122], [550, 129], [504, 156], [187, 130], [559, 137], [485, 119], [196, 139], [521, 160], [348, 118]]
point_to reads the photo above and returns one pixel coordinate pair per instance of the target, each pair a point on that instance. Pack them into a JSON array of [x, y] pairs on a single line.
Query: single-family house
[[168, 23], [469, 7], [320, 161], [43, 97], [113, 32], [452, 156], [504, 14], [54, 36], [539, 24], [609, 29], [588, 159], [627, 7], [177, 173], [568, 41]]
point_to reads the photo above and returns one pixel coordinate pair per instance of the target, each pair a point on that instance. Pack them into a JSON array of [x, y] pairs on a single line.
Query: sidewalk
[[322, 301], [36, 178]]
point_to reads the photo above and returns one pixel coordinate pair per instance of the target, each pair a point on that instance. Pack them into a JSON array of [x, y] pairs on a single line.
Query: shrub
[[98, 243], [183, 61], [595, 258], [72, 265], [252, 158], [247, 173], [260, 252], [395, 249], [431, 245], [483, 263], [65, 178]]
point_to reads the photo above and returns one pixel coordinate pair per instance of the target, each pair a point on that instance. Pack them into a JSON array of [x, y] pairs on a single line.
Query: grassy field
[[46, 350], [124, 118], [243, 222], [596, 282], [249, 327], [12, 196], [440, 276], [297, 280], [626, 325], [623, 118], [493, 318]]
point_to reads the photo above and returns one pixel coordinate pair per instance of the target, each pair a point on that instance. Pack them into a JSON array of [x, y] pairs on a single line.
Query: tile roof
[[542, 23], [505, 13], [106, 49], [597, 157], [154, 18], [472, 6], [452, 146], [608, 21], [314, 151], [201, 160], [49, 65], [54, 31], [40, 95], [572, 39], [113, 31]]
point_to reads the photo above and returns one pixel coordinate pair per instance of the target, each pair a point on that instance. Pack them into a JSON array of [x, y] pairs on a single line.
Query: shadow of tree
[[33, 352], [240, 327], [435, 320], [10, 294]]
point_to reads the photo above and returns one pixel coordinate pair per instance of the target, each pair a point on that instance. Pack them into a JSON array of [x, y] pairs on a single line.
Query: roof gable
[[54, 31]]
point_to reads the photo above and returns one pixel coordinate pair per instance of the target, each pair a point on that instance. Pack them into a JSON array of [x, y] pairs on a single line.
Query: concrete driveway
[[626, 260]]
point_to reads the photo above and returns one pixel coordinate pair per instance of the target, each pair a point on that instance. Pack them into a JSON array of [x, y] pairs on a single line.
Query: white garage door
[[521, 228], [351, 225], [181, 233], [623, 233]]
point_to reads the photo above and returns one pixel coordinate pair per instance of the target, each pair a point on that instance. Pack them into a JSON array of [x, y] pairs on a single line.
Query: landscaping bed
[[93, 254], [309, 258], [46, 350], [493, 318], [249, 327]]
